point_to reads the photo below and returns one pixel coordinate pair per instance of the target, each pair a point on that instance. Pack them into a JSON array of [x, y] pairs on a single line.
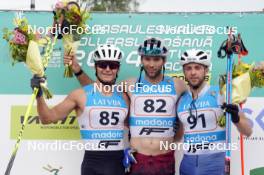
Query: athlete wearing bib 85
[[102, 122], [199, 111], [101, 115]]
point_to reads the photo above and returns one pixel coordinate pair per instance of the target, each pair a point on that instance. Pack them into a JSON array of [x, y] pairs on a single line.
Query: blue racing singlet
[[199, 118], [152, 109], [102, 121]]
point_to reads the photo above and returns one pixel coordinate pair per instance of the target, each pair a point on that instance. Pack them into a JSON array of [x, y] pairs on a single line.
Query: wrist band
[[78, 73]]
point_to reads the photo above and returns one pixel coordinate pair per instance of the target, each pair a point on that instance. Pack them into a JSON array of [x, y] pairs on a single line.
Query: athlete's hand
[[176, 125], [35, 83], [72, 61], [233, 110], [128, 159], [259, 66]]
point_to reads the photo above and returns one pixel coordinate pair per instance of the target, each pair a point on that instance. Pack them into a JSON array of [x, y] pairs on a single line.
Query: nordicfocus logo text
[[133, 88], [194, 147], [71, 145]]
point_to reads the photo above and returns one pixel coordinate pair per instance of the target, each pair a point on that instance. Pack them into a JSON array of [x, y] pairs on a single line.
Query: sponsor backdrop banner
[[180, 31], [64, 129]]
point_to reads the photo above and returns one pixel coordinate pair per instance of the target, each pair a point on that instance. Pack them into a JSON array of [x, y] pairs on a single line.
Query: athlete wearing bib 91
[[199, 110], [101, 115]]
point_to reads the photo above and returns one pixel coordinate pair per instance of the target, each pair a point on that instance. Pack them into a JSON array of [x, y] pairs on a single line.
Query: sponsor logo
[[52, 170], [66, 129], [257, 171], [106, 143], [148, 131]]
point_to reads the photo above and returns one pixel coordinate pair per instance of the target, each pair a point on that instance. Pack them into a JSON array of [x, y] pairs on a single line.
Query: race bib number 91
[[205, 120]]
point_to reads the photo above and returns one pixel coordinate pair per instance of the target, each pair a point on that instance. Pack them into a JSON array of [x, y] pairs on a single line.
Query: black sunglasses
[[104, 65]]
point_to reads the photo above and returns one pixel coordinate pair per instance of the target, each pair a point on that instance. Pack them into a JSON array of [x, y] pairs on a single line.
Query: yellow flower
[[75, 9], [65, 3]]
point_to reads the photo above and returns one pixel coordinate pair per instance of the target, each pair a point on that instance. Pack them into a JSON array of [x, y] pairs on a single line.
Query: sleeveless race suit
[[152, 114], [102, 130], [202, 133]]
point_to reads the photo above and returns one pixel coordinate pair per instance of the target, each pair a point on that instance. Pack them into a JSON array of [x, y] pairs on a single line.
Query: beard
[[197, 85], [152, 76]]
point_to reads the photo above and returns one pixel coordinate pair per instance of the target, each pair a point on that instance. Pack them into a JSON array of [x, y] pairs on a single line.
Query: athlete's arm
[[127, 100], [179, 133], [243, 125], [237, 117], [82, 77], [48, 115], [178, 126], [180, 86]]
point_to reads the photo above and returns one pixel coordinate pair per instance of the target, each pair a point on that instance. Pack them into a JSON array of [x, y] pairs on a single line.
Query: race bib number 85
[[101, 118]]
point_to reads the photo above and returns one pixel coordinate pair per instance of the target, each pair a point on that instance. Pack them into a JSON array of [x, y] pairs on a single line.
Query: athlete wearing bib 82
[[152, 111], [199, 110], [101, 115]]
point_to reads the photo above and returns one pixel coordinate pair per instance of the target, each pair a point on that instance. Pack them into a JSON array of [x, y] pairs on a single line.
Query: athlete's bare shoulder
[[127, 85], [78, 96], [130, 81]]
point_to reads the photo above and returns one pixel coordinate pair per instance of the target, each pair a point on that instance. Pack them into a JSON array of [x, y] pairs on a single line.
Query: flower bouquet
[[24, 47], [245, 77], [70, 22]]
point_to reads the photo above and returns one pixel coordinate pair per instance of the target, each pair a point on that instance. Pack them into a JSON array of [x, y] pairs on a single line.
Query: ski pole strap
[[237, 47]]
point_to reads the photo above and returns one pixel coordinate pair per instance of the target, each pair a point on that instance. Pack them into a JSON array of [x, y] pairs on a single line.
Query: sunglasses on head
[[104, 65]]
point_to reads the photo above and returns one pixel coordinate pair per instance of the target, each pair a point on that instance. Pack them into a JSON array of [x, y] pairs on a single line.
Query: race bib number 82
[[154, 106]]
